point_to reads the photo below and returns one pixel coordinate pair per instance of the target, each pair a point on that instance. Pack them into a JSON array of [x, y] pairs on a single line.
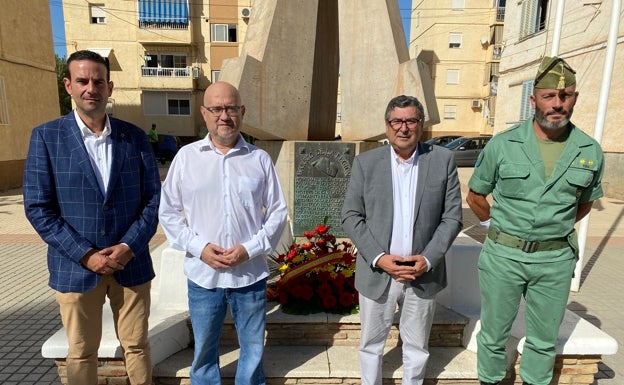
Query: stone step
[[323, 365]]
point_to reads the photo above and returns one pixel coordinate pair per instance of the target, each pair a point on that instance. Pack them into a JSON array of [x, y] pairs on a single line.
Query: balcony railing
[[500, 14], [497, 51], [164, 72], [162, 25]]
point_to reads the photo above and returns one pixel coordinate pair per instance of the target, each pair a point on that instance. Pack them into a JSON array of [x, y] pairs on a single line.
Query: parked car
[[168, 146], [466, 150], [442, 140]]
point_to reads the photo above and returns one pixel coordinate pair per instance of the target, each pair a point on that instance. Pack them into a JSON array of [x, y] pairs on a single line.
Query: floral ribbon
[[311, 265]]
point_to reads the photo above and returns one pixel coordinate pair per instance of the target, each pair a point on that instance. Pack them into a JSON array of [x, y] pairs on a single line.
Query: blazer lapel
[[118, 138], [79, 151], [424, 162]]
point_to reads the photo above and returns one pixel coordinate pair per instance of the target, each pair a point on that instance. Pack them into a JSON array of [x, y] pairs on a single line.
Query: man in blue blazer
[[402, 211], [91, 191]]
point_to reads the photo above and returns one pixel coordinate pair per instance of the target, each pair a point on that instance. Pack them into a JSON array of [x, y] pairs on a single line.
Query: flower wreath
[[317, 275]]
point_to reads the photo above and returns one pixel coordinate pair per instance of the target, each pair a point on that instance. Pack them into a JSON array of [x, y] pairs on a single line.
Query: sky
[[58, 26]]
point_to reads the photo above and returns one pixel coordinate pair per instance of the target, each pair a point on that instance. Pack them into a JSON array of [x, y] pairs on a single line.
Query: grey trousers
[[376, 316]]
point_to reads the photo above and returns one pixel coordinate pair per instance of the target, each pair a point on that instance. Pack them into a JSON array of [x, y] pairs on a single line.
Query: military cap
[[554, 73]]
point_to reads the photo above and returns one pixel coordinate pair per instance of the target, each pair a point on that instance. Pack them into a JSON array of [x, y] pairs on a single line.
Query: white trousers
[[376, 317]]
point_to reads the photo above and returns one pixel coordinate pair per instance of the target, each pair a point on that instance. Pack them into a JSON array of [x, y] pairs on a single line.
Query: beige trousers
[[81, 314]]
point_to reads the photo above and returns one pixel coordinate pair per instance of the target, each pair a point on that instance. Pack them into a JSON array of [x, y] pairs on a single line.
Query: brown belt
[[525, 245]]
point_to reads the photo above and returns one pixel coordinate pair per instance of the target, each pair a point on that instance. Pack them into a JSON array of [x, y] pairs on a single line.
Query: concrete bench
[[168, 328]]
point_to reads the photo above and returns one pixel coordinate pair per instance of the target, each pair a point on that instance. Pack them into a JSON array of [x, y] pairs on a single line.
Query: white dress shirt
[[100, 150], [404, 183], [224, 199]]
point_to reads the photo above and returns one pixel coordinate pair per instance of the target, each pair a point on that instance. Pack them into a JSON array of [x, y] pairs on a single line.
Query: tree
[[64, 98]]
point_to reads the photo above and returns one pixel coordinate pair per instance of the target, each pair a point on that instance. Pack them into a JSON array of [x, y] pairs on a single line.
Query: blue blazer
[[368, 209], [66, 207]]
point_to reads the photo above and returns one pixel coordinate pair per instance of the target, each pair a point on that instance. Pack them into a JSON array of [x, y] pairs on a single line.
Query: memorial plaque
[[322, 171]]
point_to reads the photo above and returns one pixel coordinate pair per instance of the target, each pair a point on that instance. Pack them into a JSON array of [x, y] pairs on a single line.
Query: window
[[526, 110], [4, 110], [458, 5], [98, 14], [165, 65], [452, 76], [223, 33], [179, 107], [450, 112], [533, 18], [166, 103], [215, 76], [455, 40]]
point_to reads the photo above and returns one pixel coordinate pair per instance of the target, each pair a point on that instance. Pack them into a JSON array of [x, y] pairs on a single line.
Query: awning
[[104, 52], [163, 11]]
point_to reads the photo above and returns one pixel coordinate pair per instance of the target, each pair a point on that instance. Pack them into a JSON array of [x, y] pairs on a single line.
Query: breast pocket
[[576, 180], [513, 179], [250, 191]]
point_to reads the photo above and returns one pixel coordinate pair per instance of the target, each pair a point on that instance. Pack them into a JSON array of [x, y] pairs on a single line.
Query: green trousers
[[545, 287]]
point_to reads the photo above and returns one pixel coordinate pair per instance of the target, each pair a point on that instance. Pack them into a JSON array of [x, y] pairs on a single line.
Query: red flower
[[322, 229], [324, 290], [307, 246], [321, 243], [346, 299], [308, 234], [283, 298], [291, 254], [329, 302]]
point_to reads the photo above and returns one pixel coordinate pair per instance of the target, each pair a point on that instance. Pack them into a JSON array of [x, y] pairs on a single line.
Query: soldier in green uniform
[[544, 175]]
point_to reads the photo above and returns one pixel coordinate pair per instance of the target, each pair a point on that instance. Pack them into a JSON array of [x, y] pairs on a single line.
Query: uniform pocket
[[513, 179], [576, 181]]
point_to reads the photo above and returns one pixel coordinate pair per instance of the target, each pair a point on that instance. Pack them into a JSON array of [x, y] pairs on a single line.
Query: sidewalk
[[29, 314]]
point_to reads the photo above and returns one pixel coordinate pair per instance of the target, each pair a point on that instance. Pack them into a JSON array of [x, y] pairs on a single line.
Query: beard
[[540, 117]]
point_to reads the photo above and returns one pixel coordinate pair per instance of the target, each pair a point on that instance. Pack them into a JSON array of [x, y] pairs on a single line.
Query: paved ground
[[29, 314]]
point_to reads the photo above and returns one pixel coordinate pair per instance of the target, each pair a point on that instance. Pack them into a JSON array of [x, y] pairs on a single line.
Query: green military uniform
[[527, 207]]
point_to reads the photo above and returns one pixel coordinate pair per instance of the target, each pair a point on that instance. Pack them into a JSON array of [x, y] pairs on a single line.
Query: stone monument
[[295, 56]]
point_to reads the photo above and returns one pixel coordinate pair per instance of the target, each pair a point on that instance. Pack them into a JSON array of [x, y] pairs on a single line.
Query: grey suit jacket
[[368, 209]]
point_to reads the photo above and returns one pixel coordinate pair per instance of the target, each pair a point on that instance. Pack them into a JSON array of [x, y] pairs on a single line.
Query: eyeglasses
[[396, 124], [218, 110]]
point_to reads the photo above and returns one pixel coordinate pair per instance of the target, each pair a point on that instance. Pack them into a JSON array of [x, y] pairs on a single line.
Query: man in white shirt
[[401, 241], [222, 204]]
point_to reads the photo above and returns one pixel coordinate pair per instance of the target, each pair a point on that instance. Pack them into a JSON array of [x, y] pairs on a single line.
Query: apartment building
[[28, 90], [528, 36], [461, 42], [162, 53]]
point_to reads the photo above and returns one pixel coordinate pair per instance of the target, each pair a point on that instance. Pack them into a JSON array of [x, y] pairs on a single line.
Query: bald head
[[223, 114], [219, 91]]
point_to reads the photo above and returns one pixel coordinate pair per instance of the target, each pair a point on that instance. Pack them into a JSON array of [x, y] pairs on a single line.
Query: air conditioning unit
[[245, 12], [476, 103], [195, 72]]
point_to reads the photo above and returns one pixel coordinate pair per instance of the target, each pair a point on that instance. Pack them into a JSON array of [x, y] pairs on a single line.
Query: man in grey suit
[[402, 211]]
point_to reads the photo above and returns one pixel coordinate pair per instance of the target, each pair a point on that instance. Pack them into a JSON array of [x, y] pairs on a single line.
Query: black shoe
[[490, 383]]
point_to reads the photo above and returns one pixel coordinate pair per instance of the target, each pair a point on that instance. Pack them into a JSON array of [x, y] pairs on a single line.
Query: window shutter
[[526, 111]]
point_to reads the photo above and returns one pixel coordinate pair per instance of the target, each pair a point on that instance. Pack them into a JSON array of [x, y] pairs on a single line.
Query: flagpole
[[599, 124]]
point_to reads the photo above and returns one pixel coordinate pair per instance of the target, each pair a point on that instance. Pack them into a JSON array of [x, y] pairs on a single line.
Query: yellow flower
[[347, 273], [283, 268], [298, 258]]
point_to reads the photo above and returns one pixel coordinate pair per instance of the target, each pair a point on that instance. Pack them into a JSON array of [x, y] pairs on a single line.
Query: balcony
[[500, 14], [169, 78]]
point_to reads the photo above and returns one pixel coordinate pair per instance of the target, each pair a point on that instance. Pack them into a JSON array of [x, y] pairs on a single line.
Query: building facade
[[163, 54], [461, 43], [28, 88]]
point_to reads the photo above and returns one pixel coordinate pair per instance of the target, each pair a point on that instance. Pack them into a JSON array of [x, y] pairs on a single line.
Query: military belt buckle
[[529, 246]]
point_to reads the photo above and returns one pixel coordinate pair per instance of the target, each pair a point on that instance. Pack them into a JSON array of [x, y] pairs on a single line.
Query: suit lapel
[[79, 151], [424, 162], [118, 139]]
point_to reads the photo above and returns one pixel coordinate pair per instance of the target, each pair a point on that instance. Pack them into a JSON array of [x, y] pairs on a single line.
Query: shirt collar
[[412, 159], [208, 145], [85, 131]]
